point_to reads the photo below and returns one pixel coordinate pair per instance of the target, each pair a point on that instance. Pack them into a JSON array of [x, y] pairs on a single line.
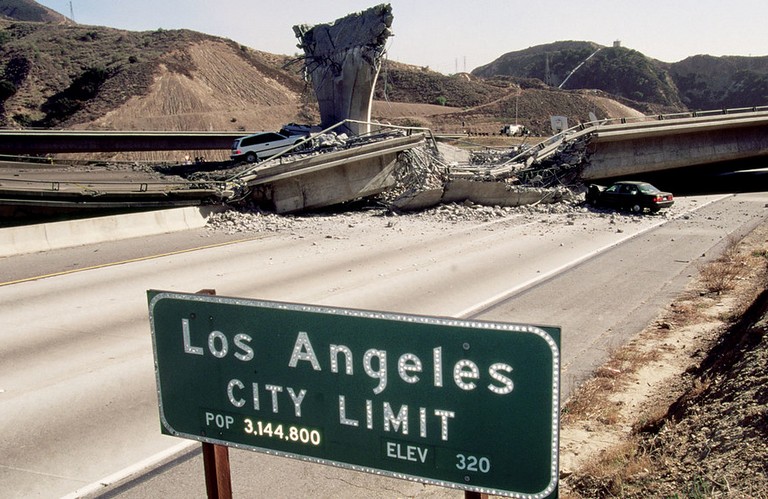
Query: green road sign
[[458, 403]]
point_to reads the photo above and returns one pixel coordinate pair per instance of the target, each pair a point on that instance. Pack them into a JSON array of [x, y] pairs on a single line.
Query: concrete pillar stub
[[343, 59]]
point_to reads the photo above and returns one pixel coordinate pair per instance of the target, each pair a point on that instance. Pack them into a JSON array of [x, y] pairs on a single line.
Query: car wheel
[[251, 157], [636, 208], [655, 209]]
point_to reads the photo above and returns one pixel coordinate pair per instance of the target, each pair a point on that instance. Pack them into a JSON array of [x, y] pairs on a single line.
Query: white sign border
[[395, 317]]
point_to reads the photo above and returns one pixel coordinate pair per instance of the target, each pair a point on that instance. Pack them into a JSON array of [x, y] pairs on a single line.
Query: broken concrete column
[[343, 59]]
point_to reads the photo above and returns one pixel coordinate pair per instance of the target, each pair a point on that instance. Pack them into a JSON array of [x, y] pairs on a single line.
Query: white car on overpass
[[253, 148]]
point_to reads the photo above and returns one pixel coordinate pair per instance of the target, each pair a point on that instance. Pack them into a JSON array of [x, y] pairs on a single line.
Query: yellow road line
[[132, 260]]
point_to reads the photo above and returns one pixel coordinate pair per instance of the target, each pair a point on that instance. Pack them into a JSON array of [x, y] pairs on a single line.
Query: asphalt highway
[[76, 367]]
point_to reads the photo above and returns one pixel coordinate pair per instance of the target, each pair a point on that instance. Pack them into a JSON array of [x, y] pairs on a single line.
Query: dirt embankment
[[683, 410], [223, 89], [222, 92]]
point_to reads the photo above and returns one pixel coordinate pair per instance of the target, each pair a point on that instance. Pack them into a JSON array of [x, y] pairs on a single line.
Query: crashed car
[[630, 195], [253, 148]]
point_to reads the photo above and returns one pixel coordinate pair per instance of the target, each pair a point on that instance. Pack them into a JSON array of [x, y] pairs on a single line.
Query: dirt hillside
[[222, 92], [65, 75]]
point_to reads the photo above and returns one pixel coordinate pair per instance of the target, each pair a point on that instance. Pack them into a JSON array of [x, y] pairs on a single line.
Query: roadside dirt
[[682, 411]]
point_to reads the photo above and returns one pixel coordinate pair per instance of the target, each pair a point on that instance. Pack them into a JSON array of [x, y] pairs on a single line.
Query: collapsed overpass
[[635, 146], [588, 152], [666, 143]]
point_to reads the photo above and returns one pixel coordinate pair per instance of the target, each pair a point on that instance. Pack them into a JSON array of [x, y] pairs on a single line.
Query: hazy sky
[[453, 35]]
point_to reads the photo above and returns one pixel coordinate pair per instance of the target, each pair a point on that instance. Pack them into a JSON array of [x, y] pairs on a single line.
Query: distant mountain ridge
[[28, 10], [695, 83], [56, 73], [64, 75]]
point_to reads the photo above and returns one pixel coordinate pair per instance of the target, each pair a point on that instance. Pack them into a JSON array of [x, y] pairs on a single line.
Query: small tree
[[7, 89]]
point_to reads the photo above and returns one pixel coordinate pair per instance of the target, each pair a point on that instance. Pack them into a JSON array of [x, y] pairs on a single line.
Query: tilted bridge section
[[630, 148], [648, 144], [610, 148]]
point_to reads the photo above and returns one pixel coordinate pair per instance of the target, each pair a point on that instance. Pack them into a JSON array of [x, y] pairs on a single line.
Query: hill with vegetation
[[707, 82], [27, 10], [696, 83], [406, 83], [56, 73], [59, 75]]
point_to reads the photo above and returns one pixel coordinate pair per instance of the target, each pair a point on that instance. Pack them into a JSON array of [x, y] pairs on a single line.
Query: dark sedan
[[630, 195]]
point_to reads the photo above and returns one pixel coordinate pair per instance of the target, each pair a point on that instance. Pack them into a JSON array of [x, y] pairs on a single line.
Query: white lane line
[[132, 470], [478, 307]]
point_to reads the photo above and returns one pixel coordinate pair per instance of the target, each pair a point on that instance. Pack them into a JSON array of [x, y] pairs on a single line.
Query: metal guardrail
[[143, 186], [653, 120]]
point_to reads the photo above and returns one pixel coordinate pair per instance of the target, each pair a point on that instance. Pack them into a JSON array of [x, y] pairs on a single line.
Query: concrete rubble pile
[[421, 174], [485, 157], [425, 180], [251, 219], [563, 168], [248, 220], [555, 162], [418, 170]]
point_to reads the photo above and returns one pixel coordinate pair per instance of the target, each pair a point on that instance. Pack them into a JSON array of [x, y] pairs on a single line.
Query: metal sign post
[[218, 479], [459, 403]]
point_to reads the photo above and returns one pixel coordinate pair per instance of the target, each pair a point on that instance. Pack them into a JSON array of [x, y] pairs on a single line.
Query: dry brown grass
[[721, 275], [735, 278], [593, 399], [684, 313], [615, 467]]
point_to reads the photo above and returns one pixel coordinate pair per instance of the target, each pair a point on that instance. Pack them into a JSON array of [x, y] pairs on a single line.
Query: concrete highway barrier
[[57, 235]]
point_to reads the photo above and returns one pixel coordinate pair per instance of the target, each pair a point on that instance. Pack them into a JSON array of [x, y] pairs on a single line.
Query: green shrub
[[69, 101], [24, 120], [7, 89]]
